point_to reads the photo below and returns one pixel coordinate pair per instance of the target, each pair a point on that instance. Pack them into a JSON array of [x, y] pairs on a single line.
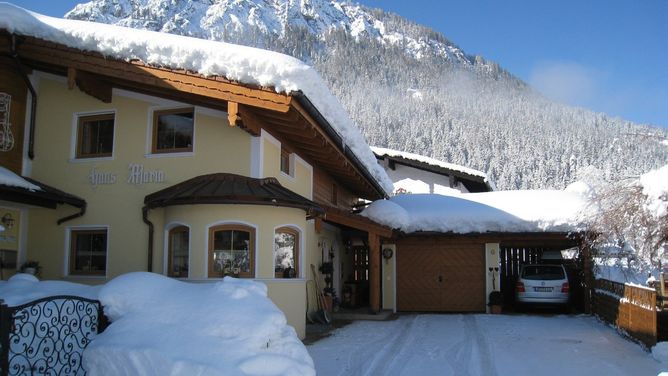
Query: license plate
[[542, 289]]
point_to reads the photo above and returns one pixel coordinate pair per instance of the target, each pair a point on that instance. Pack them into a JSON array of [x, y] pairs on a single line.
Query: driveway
[[481, 345]]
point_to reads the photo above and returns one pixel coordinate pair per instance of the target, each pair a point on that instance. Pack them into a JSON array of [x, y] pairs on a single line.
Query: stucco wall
[[115, 202]]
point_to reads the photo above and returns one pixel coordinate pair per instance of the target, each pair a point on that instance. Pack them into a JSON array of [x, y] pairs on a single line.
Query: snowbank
[[161, 326], [10, 179], [501, 211], [23, 288], [237, 63]]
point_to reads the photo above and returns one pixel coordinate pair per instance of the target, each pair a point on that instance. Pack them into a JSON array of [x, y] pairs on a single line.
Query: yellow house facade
[[145, 168]]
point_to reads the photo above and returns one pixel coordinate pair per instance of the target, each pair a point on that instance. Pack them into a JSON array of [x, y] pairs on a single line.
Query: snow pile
[[10, 179], [501, 211], [237, 63], [655, 187], [162, 326], [23, 288], [660, 352]]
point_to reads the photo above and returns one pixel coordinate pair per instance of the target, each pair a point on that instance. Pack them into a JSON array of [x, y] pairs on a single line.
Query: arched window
[[231, 251], [178, 252], [286, 253]]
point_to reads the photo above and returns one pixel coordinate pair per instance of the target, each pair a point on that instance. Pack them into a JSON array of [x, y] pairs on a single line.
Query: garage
[[440, 276]]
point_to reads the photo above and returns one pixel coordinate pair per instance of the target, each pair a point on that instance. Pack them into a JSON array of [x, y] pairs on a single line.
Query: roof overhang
[[222, 188], [473, 183], [356, 221], [45, 197], [291, 118]]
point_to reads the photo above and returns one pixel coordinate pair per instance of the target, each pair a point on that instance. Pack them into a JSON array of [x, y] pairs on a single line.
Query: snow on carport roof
[[501, 211], [246, 65]]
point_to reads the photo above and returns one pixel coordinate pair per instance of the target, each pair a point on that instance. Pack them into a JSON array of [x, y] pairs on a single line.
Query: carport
[[451, 252]]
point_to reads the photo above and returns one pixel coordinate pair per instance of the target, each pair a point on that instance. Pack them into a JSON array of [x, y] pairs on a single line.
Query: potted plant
[[495, 302], [31, 267]]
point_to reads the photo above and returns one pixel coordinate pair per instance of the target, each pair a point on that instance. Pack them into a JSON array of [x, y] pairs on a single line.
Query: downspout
[[144, 212], [81, 212], [33, 103]]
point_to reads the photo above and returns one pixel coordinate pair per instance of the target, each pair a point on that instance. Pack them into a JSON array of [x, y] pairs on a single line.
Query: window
[[231, 251], [286, 252], [177, 262], [173, 131], [95, 136], [285, 161], [88, 252]]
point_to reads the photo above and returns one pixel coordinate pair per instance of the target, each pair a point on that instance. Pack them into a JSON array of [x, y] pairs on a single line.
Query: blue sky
[[606, 55]]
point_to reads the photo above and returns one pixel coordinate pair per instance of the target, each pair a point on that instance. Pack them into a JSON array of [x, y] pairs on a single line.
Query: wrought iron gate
[[48, 336]]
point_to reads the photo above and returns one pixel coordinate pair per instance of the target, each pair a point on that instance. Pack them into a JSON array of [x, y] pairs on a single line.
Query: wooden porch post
[[374, 272]]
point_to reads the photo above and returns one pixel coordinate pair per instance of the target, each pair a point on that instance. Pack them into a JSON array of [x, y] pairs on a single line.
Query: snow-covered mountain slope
[[215, 19], [410, 88]]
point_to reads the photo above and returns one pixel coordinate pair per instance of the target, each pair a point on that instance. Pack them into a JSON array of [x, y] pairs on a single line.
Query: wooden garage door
[[436, 275]]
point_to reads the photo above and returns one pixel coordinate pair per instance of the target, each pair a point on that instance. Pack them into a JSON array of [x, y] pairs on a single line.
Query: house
[[126, 150], [413, 173]]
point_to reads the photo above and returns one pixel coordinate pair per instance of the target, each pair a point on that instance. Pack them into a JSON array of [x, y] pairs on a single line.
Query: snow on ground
[[10, 179], [503, 211], [238, 63], [162, 326], [483, 345]]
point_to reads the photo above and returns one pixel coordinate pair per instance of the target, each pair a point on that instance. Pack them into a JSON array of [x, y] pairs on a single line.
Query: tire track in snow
[[486, 361], [380, 352], [385, 364], [474, 342]]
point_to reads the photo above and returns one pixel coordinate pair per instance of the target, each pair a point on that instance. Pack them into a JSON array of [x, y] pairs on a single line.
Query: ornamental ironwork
[[48, 336], [6, 136]]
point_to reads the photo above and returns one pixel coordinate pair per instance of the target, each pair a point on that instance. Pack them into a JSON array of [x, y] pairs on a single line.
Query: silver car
[[542, 283]]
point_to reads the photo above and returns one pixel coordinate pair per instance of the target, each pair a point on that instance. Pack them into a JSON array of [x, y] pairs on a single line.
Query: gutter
[[81, 212], [331, 132]]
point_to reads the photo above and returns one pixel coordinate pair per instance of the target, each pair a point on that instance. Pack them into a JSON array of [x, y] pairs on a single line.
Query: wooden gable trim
[[356, 221]]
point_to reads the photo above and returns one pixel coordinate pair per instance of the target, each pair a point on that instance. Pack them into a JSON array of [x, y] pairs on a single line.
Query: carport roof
[[501, 212]]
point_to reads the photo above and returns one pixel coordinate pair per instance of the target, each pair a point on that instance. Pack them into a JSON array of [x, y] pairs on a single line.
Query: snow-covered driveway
[[481, 345]]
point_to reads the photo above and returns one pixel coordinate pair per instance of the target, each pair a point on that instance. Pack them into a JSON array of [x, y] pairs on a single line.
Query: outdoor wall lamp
[[387, 253], [7, 221]]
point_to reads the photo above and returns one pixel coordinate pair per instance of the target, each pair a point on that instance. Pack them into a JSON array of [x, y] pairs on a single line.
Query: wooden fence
[[630, 308]]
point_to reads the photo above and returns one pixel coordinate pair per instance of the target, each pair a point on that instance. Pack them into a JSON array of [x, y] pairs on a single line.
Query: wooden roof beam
[[90, 84], [43, 52]]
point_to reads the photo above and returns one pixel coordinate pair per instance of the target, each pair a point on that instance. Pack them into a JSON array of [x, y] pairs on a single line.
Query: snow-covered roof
[[246, 65], [430, 162], [162, 326], [10, 179], [500, 211]]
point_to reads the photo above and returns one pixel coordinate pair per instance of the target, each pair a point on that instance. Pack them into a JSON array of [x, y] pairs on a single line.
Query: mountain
[[410, 88]]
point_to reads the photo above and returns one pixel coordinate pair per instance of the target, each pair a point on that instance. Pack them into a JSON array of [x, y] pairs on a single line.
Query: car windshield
[[543, 272]]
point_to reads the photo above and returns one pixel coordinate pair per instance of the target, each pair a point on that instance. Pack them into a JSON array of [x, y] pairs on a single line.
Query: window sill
[[288, 176], [173, 155], [77, 277], [94, 159]]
